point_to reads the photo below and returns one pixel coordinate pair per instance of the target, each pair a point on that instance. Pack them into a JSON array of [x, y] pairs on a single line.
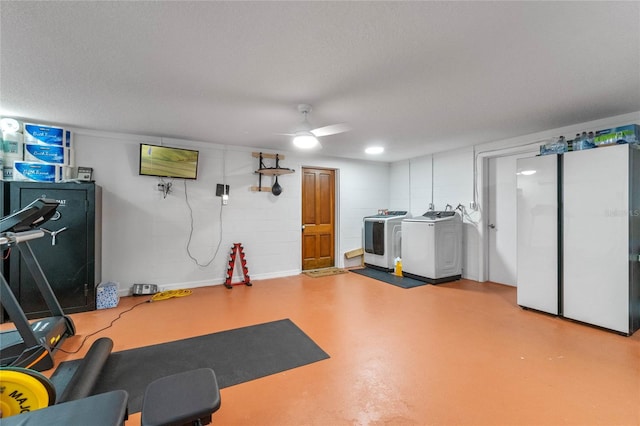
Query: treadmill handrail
[[12, 238]]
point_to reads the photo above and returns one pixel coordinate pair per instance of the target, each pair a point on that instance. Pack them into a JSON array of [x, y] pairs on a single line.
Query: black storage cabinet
[[71, 265]]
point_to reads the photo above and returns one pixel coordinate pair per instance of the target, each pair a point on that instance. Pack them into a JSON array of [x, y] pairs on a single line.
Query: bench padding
[[181, 399]]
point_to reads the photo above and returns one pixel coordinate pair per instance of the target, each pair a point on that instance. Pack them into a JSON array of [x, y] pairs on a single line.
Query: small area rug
[[236, 356], [324, 272], [389, 278]]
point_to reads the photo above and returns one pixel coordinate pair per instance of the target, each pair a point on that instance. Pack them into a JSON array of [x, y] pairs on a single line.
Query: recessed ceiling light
[[374, 150]]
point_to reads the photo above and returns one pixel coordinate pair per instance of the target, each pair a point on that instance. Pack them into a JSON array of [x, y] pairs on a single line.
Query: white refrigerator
[[597, 238]]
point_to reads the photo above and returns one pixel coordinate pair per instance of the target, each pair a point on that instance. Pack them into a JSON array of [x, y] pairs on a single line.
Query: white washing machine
[[382, 239], [432, 247]]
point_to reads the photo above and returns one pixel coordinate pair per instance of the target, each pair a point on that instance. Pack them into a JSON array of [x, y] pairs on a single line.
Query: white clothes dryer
[[382, 239]]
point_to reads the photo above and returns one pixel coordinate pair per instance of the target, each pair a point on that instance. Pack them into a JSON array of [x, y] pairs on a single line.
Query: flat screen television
[[164, 161]]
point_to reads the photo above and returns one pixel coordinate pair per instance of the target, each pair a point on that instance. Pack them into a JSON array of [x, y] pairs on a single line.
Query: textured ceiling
[[415, 77]]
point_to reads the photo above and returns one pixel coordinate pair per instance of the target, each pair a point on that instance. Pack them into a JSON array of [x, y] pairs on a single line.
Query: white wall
[[421, 184], [523, 144], [456, 177], [400, 195], [362, 189], [145, 236], [444, 178]]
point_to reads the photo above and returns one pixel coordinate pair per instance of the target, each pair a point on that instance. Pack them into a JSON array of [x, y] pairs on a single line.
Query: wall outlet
[[473, 206], [225, 199]]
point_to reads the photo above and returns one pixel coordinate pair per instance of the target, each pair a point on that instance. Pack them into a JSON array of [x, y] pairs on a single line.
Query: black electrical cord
[[203, 265], [104, 328]]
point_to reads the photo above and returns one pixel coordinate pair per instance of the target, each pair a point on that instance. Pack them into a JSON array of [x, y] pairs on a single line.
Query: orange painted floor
[[461, 353]]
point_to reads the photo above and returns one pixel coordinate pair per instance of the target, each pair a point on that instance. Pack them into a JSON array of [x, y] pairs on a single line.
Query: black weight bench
[[188, 398]]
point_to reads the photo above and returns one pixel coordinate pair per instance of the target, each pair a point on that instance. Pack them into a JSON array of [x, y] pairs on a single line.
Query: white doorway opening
[[496, 185]]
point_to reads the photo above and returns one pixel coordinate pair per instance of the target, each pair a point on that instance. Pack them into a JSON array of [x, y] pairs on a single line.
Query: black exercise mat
[[387, 277], [236, 356]]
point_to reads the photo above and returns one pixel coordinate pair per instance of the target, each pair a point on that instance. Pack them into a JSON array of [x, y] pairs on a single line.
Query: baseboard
[[123, 292]]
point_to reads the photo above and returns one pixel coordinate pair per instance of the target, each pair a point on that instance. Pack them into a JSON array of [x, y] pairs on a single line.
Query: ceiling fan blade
[[331, 130], [285, 134]]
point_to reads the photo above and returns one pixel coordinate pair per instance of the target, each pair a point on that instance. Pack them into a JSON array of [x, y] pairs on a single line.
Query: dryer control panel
[[439, 214]]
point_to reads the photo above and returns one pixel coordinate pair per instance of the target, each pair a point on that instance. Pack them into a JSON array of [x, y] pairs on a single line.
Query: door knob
[[303, 227], [492, 226]]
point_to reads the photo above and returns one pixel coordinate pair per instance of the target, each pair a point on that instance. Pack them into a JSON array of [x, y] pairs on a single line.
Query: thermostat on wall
[[85, 173]]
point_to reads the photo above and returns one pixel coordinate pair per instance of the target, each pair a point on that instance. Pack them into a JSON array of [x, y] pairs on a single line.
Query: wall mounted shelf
[[269, 171], [272, 171]]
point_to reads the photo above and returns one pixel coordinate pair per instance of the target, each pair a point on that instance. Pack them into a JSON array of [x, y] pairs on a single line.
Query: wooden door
[[318, 218]]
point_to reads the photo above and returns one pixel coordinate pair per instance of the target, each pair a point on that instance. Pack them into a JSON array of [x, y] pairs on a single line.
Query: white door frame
[[481, 162]]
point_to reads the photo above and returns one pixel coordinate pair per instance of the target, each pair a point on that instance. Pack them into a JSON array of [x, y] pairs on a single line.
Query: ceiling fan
[[306, 137]]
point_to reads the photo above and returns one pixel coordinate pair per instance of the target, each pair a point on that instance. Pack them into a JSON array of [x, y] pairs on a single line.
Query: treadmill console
[[29, 217]]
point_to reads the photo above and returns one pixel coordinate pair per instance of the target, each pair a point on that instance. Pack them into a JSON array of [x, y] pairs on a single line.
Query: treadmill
[[30, 345]]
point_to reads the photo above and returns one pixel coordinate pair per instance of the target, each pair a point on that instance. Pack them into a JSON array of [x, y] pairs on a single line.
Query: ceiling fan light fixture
[[305, 140]]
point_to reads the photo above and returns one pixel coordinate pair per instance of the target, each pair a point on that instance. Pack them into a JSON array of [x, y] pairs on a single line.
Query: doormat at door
[[324, 272], [236, 356], [389, 278]]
